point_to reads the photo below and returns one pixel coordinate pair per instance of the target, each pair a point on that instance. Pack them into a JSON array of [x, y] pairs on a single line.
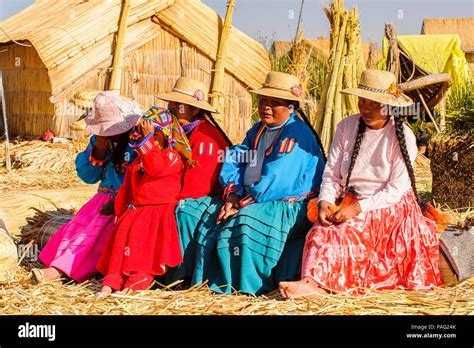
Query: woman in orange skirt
[[381, 240]]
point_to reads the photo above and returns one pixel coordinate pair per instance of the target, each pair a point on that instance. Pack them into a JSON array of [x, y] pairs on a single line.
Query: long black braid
[[355, 151], [399, 130], [118, 152], [316, 135]]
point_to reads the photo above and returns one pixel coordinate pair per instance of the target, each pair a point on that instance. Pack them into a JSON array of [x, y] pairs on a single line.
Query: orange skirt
[[144, 240], [389, 248]]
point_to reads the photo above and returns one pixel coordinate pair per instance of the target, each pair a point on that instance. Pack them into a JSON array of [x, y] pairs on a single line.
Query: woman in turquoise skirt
[[253, 237], [200, 186]]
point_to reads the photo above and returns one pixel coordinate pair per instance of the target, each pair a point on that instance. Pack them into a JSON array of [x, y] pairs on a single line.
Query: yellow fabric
[[436, 54]]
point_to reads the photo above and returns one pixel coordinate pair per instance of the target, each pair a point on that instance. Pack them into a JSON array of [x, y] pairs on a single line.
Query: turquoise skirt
[[188, 214], [259, 247]]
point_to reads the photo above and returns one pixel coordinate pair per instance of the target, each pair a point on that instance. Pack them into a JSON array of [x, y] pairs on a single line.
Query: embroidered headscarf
[[164, 121]]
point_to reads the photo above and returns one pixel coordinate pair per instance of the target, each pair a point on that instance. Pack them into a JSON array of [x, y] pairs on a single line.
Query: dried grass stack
[[16, 207], [346, 65], [43, 225], [452, 160], [8, 253]]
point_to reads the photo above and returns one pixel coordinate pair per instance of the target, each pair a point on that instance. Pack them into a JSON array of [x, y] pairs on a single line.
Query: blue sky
[[277, 19]]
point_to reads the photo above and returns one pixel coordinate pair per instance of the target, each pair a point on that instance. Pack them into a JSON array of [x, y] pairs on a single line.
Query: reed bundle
[[17, 207], [42, 226], [346, 64]]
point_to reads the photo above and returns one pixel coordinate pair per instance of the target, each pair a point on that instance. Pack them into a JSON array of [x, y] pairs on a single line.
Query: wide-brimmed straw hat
[[281, 85], [380, 86], [191, 92], [112, 114]]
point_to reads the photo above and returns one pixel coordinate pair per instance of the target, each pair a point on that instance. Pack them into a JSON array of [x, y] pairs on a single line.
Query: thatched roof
[[464, 27], [75, 38]]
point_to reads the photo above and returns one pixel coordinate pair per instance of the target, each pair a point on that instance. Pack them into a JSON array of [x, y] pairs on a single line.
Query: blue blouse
[[292, 165], [92, 171]]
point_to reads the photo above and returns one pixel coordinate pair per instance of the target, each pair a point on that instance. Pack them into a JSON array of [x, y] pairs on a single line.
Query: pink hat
[[112, 114]]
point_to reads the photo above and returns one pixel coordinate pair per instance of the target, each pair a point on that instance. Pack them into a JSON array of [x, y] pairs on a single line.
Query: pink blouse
[[379, 176]]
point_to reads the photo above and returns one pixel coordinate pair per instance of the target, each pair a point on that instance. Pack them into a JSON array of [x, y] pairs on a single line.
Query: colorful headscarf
[[164, 121]]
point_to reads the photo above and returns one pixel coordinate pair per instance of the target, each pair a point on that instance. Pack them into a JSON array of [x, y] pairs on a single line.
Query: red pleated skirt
[[144, 240], [389, 248]]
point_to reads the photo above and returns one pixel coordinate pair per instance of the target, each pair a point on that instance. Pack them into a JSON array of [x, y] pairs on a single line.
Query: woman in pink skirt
[[76, 247], [381, 240]]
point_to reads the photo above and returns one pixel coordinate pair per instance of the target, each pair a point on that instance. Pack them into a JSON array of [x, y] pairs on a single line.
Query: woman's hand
[[229, 209], [147, 127], [346, 213], [108, 208], [100, 147], [324, 213]]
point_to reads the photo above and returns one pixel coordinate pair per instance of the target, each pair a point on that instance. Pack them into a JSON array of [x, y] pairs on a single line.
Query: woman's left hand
[[346, 213], [147, 127], [108, 208]]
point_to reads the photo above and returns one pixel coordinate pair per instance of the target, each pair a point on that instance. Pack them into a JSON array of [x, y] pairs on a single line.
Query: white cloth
[[379, 176]]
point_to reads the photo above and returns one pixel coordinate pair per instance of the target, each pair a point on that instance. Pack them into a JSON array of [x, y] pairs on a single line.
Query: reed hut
[[464, 27], [53, 49]]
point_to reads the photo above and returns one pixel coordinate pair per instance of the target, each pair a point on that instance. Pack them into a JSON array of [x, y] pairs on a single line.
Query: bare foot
[[51, 273], [306, 288], [104, 292], [40, 275]]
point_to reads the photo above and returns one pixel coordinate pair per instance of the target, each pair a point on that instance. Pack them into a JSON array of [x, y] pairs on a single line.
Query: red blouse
[[153, 178], [208, 146]]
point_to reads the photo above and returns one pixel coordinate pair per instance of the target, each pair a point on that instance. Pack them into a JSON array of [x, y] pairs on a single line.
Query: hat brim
[[186, 99], [111, 128], [276, 93], [384, 98]]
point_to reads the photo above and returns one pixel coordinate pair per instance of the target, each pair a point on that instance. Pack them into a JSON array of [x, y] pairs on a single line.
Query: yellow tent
[[436, 54]]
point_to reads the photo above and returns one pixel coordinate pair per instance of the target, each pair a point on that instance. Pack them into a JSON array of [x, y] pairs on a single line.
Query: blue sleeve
[[232, 173], [85, 170]]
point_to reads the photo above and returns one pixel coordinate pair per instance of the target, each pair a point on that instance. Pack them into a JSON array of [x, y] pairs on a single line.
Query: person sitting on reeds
[[76, 247], [145, 242], [253, 237], [188, 101], [380, 240]]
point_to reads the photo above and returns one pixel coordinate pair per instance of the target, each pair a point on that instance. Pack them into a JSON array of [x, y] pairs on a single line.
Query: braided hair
[[316, 135], [399, 131], [118, 153], [355, 151]]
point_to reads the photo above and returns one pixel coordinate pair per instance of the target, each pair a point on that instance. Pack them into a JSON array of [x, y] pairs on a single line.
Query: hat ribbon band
[[187, 93], [371, 89]]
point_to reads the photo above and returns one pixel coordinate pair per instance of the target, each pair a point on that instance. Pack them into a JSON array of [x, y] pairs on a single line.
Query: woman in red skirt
[[145, 241], [381, 240]]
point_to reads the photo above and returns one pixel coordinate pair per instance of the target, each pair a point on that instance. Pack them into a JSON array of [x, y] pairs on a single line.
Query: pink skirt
[[389, 248], [76, 247]]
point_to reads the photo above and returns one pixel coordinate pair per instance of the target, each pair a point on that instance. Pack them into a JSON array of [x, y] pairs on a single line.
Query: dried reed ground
[[19, 296]]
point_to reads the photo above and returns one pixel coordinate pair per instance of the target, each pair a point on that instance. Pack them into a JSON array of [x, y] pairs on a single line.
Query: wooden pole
[[116, 75], [219, 68], [442, 113], [428, 111], [299, 20], [5, 125]]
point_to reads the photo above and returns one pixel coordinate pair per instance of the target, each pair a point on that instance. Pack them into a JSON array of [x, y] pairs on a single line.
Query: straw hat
[[379, 86], [281, 85], [112, 114], [191, 92]]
